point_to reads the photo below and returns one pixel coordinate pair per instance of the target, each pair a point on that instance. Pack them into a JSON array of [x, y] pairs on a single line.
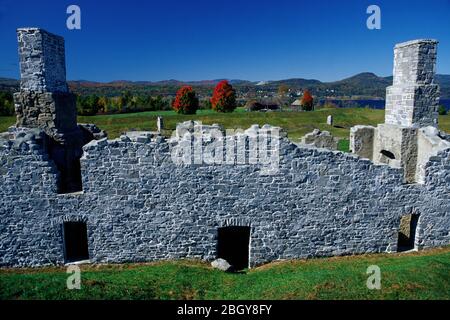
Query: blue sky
[[254, 40]]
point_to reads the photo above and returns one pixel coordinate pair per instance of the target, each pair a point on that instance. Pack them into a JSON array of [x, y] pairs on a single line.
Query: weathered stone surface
[[430, 142], [330, 120], [413, 98], [404, 141], [197, 127], [221, 264], [160, 124], [42, 61], [140, 206], [320, 139], [93, 132], [361, 141], [54, 112]]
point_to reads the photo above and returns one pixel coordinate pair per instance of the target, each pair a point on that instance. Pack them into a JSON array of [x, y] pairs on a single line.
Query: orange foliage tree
[[224, 97], [185, 101], [307, 101]]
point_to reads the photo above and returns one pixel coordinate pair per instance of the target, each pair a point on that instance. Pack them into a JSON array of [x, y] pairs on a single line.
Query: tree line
[[125, 103]]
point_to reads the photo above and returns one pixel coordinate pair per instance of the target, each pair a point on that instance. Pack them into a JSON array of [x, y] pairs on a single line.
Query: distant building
[[297, 104], [254, 105]]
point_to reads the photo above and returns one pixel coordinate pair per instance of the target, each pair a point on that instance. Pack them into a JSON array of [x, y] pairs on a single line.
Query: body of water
[[373, 104]]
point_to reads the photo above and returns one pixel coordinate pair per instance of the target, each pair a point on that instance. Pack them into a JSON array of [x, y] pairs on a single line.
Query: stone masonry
[[413, 99], [42, 61], [139, 205], [409, 137], [44, 100], [320, 139]]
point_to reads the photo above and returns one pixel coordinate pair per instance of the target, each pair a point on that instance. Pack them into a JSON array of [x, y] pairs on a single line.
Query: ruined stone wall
[[362, 140], [28, 185], [140, 206], [411, 111], [435, 206], [429, 143]]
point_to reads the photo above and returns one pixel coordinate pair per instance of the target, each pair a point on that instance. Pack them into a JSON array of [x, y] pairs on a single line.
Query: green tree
[[6, 104], [442, 110], [205, 104], [88, 106]]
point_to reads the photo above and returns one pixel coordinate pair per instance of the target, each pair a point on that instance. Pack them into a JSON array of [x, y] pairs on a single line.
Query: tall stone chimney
[[44, 100], [412, 100], [409, 135]]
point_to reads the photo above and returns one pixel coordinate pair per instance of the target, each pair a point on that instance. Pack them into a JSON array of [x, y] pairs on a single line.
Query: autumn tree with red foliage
[[224, 97], [185, 102], [307, 101]]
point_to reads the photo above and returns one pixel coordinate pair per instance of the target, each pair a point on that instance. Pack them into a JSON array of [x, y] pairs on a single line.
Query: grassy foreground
[[423, 275]]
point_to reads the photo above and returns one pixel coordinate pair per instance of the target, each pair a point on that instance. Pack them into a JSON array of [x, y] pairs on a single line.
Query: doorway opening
[[407, 232], [233, 245], [75, 241]]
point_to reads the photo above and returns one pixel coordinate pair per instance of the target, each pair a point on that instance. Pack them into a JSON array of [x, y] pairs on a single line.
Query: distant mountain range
[[364, 84]]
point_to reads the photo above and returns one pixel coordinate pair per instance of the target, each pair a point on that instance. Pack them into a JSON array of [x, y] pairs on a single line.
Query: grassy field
[[423, 275], [297, 124]]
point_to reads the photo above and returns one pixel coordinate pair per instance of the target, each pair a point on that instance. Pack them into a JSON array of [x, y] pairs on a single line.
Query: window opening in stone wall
[[407, 232], [388, 154], [233, 246], [75, 241]]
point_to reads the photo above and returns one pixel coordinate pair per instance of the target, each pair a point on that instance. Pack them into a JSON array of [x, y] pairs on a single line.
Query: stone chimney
[[412, 100], [44, 100]]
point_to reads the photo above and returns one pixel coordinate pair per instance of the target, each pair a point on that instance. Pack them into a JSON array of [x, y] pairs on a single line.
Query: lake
[[373, 104]]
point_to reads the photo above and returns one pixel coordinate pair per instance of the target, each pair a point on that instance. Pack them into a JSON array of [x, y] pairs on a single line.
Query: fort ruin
[[69, 194]]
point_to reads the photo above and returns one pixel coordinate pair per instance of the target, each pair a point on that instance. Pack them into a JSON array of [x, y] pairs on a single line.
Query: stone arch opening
[[407, 232], [233, 245], [75, 241]]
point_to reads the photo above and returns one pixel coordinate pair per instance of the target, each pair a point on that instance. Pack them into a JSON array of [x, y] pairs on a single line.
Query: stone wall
[[429, 144], [140, 206], [402, 143], [320, 139]]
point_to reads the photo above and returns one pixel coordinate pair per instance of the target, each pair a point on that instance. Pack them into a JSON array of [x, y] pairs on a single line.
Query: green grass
[[296, 124], [423, 275]]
